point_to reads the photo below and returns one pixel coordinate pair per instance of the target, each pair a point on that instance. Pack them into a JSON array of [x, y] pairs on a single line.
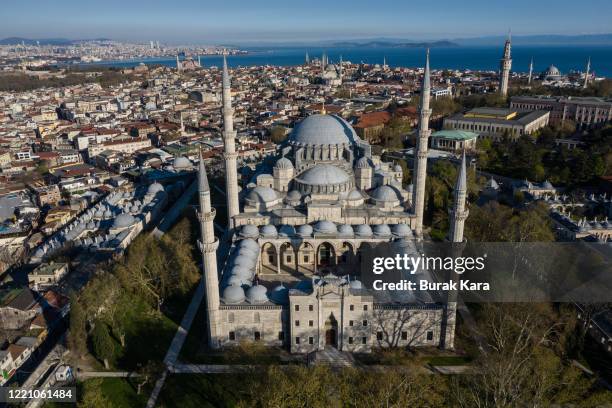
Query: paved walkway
[[105, 374]]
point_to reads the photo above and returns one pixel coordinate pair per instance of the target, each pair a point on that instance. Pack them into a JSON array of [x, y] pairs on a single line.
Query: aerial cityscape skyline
[[275, 21]]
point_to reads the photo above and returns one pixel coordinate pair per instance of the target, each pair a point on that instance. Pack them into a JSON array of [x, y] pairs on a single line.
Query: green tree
[[103, 344], [278, 134]]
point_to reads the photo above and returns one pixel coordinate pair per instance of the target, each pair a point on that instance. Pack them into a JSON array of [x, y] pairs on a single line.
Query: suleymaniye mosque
[[297, 232]]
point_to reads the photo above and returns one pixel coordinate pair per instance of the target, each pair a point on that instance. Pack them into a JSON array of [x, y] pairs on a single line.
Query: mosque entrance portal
[[331, 331]]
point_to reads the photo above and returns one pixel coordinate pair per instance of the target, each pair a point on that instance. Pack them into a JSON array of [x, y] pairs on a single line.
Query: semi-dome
[[402, 230], [325, 227], [363, 230], [283, 163], [154, 188], [323, 174], [233, 294], [354, 196], [382, 230], [124, 220], [261, 194], [386, 194], [181, 163], [257, 294], [345, 230], [323, 130], [304, 230], [269, 231], [249, 231]]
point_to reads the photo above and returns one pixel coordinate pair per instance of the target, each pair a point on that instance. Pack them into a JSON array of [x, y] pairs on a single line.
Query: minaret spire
[[208, 245], [530, 72], [420, 164], [459, 213], [586, 74], [178, 63], [504, 66], [230, 155]]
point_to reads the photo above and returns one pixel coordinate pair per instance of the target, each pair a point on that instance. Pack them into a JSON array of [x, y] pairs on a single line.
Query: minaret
[[182, 124], [340, 74], [199, 62], [178, 63], [307, 59], [208, 244], [420, 164], [230, 155], [504, 68], [586, 74], [530, 72], [459, 213]]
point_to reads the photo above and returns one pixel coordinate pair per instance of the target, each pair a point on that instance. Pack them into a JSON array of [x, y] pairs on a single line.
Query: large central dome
[[323, 130]]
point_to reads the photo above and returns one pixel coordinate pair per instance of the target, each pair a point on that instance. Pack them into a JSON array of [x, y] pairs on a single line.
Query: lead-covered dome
[[181, 163], [283, 163], [325, 227], [233, 294], [323, 130], [261, 194], [324, 178], [257, 294], [123, 221]]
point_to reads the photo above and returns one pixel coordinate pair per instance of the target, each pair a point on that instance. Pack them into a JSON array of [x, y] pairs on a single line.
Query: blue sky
[[208, 22]]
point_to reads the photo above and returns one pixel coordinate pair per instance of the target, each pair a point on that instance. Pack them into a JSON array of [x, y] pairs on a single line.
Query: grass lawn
[[117, 392]]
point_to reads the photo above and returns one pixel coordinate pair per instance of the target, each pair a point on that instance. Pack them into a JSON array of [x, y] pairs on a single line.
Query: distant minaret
[[340, 74], [420, 164], [208, 245], [530, 72], [178, 63], [230, 155], [182, 124], [504, 67], [586, 74], [307, 59], [384, 63], [459, 213], [199, 61]]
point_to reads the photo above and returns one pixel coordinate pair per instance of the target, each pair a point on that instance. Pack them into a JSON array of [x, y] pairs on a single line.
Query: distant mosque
[[287, 276]]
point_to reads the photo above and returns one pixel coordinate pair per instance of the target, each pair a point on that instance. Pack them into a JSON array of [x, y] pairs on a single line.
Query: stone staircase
[[331, 357]]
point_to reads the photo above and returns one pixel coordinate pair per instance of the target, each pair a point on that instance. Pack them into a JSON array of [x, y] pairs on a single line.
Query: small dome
[[345, 230], [250, 244], [294, 195], [123, 221], [325, 227], [382, 230], [247, 252], [283, 163], [257, 294], [242, 272], [402, 230], [386, 194], [154, 188], [363, 230], [286, 231], [547, 185], [269, 231], [354, 196], [239, 280], [363, 163], [355, 284], [280, 295], [261, 194], [181, 163], [249, 231], [304, 230], [397, 168], [233, 294], [245, 262]]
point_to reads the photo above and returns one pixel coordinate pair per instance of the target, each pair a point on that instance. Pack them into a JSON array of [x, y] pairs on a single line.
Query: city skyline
[[193, 22]]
